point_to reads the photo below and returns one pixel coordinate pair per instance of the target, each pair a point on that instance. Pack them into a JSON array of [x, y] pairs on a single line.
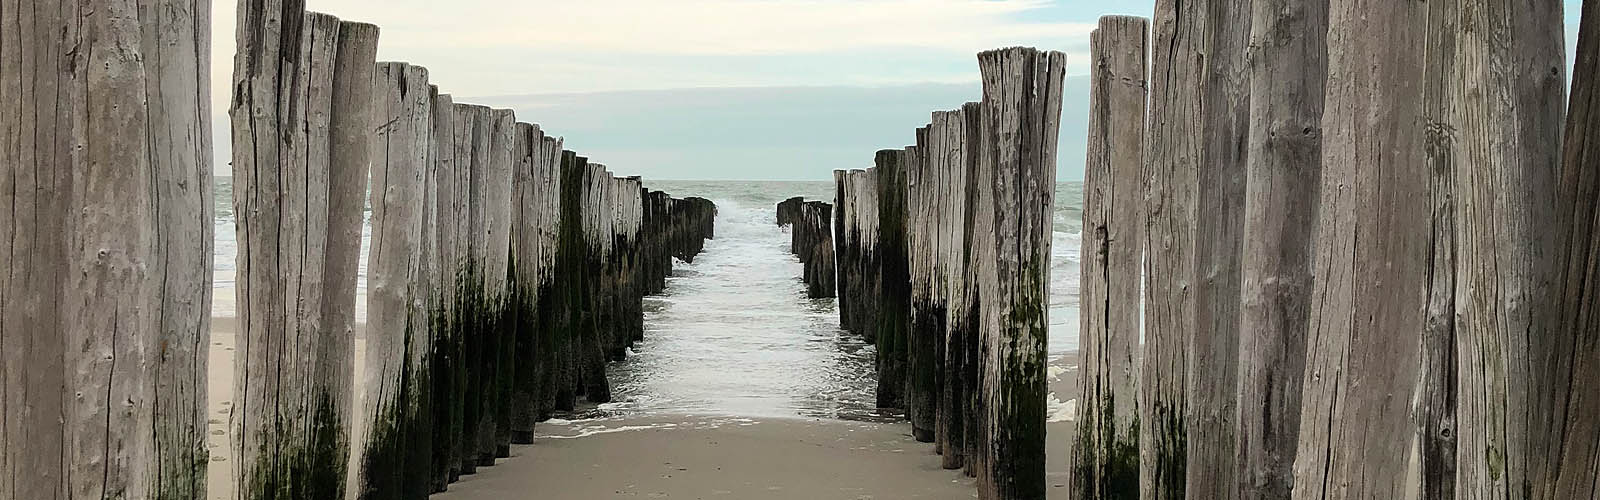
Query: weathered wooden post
[[1285, 170], [1171, 171], [628, 227], [819, 268], [287, 436], [789, 210], [569, 270], [866, 235], [494, 436], [527, 278], [1022, 108], [594, 335], [1577, 338], [106, 286], [1506, 67], [888, 262], [1357, 433], [966, 323], [1106, 448], [926, 326], [1212, 418], [952, 158], [473, 132], [396, 455], [843, 211], [448, 257]]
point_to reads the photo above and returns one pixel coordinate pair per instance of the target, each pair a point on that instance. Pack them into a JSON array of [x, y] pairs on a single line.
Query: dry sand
[[675, 456]]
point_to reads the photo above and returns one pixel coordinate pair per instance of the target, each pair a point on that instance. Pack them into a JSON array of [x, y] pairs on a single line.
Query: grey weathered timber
[[473, 131], [349, 130], [927, 314], [1577, 473], [569, 276], [1106, 447], [813, 244], [106, 287], [966, 324], [1022, 108], [887, 261], [949, 157], [1506, 98], [593, 334], [446, 353], [394, 412], [527, 278], [841, 214], [1172, 156], [494, 436], [283, 441], [1437, 381], [1212, 414], [789, 210], [554, 334], [1288, 70], [1357, 435]]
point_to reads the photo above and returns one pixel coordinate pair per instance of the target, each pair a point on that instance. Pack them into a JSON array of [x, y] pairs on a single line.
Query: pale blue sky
[[721, 89]]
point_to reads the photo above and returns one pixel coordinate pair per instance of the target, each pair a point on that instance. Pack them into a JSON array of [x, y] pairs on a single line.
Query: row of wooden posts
[[811, 240], [943, 252], [503, 272], [1358, 240]]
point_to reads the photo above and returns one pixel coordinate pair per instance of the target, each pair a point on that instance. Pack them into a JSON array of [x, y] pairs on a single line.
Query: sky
[[721, 89]]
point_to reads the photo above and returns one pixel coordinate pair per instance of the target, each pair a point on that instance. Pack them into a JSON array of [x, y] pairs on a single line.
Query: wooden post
[[1022, 108], [570, 273], [952, 158], [1106, 447], [1285, 171], [286, 436], [1507, 68], [843, 211], [474, 130], [965, 322], [350, 131], [1577, 338], [1174, 146], [817, 218], [789, 210], [448, 257], [1357, 433], [866, 248], [494, 433], [888, 263], [926, 327], [395, 412], [593, 334], [1212, 418], [106, 286], [527, 278], [628, 226]]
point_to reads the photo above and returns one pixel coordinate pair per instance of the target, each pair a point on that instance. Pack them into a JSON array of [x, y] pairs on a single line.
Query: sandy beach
[[685, 456]]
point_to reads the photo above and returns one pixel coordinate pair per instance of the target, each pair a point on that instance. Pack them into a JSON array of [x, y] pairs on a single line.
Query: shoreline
[[676, 455]]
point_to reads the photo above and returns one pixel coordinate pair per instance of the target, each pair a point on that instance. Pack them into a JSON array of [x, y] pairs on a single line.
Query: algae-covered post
[[563, 333], [350, 130], [1357, 433], [527, 277], [593, 334], [1171, 170], [1577, 337], [816, 218], [285, 430], [926, 326], [627, 226], [494, 436], [109, 249], [449, 213], [789, 211], [842, 213], [952, 155], [1105, 456], [1022, 108], [394, 412], [547, 209], [473, 130], [1507, 68], [887, 261], [966, 324], [1281, 196]]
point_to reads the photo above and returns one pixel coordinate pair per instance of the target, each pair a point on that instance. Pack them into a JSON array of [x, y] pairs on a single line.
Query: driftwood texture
[[1288, 72], [1106, 447], [105, 160], [396, 456], [1357, 436], [285, 421], [888, 263], [448, 261], [1021, 113]]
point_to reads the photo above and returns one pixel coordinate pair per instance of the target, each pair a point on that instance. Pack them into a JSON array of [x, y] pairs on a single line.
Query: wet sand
[[678, 456]]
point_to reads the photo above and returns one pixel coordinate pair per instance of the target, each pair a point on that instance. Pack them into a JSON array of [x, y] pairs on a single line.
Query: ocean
[[734, 333]]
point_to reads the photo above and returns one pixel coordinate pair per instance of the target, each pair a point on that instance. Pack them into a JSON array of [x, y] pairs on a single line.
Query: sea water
[[734, 333]]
